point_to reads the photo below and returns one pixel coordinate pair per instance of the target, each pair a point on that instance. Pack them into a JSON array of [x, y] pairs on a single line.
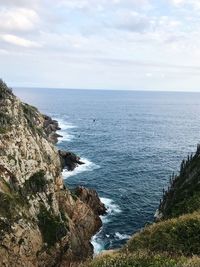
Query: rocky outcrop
[[69, 160], [42, 223], [91, 198], [50, 128]]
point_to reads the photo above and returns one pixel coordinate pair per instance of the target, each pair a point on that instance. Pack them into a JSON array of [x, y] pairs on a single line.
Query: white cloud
[[177, 2], [193, 3], [111, 43], [132, 21], [18, 19], [15, 40], [102, 5], [18, 3]]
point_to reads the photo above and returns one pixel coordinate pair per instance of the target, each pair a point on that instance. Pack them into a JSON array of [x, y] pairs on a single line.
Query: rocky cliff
[[42, 223]]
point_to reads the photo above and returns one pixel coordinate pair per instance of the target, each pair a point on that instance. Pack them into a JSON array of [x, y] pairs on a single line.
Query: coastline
[[42, 222]]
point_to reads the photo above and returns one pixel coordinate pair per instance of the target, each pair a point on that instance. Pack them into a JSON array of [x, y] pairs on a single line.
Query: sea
[[131, 143]]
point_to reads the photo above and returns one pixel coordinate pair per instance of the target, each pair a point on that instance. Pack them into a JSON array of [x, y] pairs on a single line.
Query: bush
[[35, 184], [31, 115], [5, 119], [183, 195], [51, 226], [4, 90]]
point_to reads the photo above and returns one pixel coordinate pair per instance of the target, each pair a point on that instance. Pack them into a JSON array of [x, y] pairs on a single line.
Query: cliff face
[[41, 222]]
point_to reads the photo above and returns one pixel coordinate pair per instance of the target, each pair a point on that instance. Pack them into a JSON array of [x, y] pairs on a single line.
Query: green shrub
[[35, 184], [52, 227], [5, 122], [183, 195], [3, 130], [31, 115], [10, 205], [4, 90], [187, 205]]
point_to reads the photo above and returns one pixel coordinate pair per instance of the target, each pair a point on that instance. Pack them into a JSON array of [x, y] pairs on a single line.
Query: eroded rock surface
[[41, 222]]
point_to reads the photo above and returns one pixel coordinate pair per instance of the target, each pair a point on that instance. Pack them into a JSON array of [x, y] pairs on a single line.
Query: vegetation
[[3, 130], [142, 259], [139, 259], [4, 90], [5, 122], [11, 205], [35, 184], [176, 236], [51, 226], [30, 114], [183, 195]]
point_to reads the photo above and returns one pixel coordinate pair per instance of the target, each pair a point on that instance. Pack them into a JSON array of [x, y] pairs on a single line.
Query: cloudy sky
[[102, 44]]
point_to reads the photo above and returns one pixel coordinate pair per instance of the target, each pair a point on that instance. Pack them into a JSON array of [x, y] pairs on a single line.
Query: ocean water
[[131, 142]]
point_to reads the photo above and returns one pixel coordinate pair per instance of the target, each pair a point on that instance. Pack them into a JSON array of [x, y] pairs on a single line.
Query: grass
[[139, 259], [179, 236]]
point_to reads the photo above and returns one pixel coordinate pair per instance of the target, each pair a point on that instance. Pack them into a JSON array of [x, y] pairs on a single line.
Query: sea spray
[[65, 126], [112, 208], [88, 166]]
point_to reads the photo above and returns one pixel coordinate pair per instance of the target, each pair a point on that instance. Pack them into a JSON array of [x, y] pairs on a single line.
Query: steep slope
[[41, 222], [183, 195]]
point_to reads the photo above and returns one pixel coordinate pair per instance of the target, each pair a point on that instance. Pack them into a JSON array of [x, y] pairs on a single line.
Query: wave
[[112, 209], [88, 166], [121, 236], [65, 137], [98, 244], [64, 127]]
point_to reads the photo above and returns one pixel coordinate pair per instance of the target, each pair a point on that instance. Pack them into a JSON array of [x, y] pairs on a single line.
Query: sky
[[101, 44]]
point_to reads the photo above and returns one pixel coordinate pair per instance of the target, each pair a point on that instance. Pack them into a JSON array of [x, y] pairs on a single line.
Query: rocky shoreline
[[42, 222]]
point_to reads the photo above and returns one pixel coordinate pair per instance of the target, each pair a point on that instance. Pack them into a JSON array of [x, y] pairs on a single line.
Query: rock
[[91, 198], [69, 160], [50, 127], [41, 222]]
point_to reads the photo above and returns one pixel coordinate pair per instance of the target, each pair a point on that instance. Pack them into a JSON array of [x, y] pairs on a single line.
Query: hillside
[[42, 223], [174, 239]]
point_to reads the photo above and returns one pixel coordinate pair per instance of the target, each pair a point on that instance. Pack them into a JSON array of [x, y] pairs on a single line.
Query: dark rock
[[91, 198], [50, 127], [69, 160]]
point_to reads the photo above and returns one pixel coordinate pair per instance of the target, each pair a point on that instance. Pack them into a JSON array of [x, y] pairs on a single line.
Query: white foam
[[121, 236], [97, 244], [66, 136], [111, 207], [88, 166]]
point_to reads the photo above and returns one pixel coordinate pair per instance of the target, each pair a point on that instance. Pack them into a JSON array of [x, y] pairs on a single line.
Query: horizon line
[[101, 89]]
